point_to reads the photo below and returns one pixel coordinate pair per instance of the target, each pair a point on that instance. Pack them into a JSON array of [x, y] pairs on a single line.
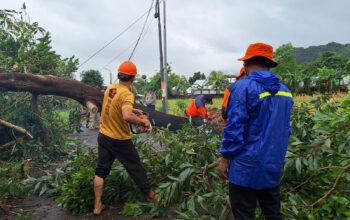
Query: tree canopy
[[92, 78]]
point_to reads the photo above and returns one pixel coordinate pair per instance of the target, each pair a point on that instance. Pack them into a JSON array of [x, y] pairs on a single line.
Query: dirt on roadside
[[217, 121], [34, 207]]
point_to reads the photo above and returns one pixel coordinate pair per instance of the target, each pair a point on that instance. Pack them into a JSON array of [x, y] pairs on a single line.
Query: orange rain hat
[[241, 73], [128, 68], [259, 50]]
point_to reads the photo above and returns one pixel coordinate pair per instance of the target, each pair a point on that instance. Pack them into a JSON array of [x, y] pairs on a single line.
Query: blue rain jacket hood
[[255, 138]]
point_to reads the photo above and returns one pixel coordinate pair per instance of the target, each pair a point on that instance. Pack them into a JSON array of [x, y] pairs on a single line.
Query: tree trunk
[[70, 88], [44, 131]]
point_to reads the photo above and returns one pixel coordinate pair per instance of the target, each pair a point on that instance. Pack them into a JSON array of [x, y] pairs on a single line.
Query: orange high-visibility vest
[[193, 111]]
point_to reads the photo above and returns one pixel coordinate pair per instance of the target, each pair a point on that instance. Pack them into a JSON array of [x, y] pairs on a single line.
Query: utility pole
[[163, 84], [110, 75], [165, 59]]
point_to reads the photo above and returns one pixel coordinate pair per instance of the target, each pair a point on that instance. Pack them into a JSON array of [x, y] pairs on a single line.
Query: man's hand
[[146, 123], [223, 168], [137, 111]]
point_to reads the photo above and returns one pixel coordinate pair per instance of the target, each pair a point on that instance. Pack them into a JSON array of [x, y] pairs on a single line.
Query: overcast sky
[[203, 35]]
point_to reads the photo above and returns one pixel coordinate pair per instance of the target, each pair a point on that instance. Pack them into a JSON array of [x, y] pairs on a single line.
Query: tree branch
[[330, 191], [11, 143], [50, 85], [15, 127], [312, 176]]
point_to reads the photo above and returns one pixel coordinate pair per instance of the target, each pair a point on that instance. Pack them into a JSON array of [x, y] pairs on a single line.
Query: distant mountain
[[305, 55]]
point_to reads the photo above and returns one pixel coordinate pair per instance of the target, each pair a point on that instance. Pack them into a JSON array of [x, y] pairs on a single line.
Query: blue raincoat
[[255, 138]]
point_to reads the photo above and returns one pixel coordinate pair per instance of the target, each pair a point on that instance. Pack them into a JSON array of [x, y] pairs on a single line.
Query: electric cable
[[116, 37], [127, 48], [143, 28]]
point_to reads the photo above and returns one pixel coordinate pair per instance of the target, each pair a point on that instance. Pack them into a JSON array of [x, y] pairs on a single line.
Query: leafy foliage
[[179, 166], [218, 80], [196, 76], [324, 75], [92, 78], [26, 47]]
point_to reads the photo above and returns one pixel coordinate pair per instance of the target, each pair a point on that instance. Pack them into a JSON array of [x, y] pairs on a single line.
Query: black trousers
[[124, 150], [243, 202]]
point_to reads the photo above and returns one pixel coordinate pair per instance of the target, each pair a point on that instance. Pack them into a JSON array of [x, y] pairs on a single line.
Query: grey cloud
[[202, 35]]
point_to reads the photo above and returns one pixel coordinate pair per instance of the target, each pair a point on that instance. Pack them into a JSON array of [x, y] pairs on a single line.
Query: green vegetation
[[325, 75], [26, 47], [92, 78], [312, 53], [218, 80], [314, 184]]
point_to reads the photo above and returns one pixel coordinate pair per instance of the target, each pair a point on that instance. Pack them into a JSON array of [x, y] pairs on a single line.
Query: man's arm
[[137, 111], [233, 140], [130, 114], [131, 117]]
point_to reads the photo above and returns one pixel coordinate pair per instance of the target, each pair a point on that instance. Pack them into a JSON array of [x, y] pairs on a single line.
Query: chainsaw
[[139, 129]]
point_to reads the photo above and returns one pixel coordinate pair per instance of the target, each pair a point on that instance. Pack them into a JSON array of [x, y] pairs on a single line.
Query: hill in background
[[309, 54]]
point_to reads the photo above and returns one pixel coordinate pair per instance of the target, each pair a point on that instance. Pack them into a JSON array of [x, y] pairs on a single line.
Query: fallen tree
[[86, 95]]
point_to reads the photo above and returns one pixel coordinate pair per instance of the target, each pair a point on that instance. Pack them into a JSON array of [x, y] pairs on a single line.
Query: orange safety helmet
[[128, 68], [259, 50]]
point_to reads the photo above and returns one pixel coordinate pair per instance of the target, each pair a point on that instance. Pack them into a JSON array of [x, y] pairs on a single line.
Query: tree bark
[[44, 131], [70, 88]]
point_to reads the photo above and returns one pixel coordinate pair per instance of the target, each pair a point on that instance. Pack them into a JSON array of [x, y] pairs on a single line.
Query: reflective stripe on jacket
[[256, 135]]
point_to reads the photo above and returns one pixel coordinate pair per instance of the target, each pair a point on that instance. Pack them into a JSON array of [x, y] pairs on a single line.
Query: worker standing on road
[[227, 93], [255, 138], [196, 110], [114, 140]]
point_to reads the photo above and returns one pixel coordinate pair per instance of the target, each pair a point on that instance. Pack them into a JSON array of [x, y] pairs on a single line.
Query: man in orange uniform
[[197, 107], [227, 93], [114, 140]]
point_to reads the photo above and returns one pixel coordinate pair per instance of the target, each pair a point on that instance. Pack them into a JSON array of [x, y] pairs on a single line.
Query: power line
[[147, 33], [127, 48], [118, 55], [143, 28], [116, 37]]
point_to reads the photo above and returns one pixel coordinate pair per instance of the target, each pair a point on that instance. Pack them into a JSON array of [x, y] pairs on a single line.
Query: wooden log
[[92, 107]]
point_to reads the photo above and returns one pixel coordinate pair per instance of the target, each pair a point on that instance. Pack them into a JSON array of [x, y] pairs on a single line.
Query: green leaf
[[185, 174], [297, 143], [298, 165], [132, 209], [191, 152], [43, 190], [174, 178], [328, 143], [167, 159]]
